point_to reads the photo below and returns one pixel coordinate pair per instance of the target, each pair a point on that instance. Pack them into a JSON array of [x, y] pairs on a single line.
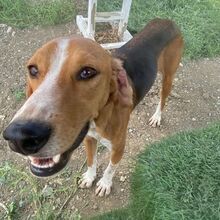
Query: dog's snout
[[27, 137]]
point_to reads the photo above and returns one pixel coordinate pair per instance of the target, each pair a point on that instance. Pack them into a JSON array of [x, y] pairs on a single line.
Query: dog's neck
[[120, 102]]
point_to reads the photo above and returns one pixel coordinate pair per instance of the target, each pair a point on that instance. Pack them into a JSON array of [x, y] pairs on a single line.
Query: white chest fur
[[92, 133]]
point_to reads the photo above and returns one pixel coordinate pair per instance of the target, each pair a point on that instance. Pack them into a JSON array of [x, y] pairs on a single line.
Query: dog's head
[[69, 81]]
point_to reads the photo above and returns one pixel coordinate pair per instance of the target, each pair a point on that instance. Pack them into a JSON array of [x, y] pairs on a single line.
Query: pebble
[[59, 181], [9, 30], [122, 190], [73, 207], [3, 25], [122, 178], [193, 119], [95, 207], [2, 117]]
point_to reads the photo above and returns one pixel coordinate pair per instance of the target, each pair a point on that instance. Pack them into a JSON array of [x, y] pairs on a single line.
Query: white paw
[[87, 179], [104, 187], [155, 120]]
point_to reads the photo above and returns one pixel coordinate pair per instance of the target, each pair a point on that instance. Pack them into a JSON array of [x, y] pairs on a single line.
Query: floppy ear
[[120, 87], [121, 93]]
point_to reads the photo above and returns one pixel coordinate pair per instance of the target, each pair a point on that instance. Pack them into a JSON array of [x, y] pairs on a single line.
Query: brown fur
[[106, 99], [168, 63], [111, 103], [67, 104]]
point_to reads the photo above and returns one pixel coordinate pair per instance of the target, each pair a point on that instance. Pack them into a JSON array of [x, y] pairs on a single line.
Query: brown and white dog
[[78, 91]]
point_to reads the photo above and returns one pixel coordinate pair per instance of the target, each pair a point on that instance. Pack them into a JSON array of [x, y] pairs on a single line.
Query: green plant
[[199, 21], [19, 95], [28, 13], [177, 178], [27, 195]]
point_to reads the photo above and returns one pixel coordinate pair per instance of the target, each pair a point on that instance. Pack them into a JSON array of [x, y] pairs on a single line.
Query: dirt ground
[[194, 102]]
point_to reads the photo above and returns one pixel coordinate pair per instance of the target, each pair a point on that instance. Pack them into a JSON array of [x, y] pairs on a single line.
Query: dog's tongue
[[43, 161]]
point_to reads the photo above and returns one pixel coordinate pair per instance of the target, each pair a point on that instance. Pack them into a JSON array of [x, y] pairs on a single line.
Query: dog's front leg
[[105, 183], [91, 151]]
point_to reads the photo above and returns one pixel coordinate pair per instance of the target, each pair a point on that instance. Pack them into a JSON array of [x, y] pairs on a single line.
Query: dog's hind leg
[[168, 63]]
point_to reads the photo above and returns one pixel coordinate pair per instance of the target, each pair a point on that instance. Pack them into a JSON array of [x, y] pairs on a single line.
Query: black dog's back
[[140, 54]]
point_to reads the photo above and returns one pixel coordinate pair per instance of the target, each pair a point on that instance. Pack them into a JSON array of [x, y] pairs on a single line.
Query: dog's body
[[89, 95], [145, 54]]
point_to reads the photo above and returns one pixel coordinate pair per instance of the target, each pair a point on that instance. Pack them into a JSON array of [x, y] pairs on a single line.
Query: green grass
[[177, 178], [25, 195], [19, 94], [199, 21], [28, 13]]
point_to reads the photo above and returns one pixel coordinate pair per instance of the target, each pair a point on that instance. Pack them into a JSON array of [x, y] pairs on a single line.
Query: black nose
[[27, 137]]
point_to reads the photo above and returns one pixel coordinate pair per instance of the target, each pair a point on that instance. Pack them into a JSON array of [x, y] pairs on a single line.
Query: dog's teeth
[[31, 159], [43, 162], [56, 158], [51, 164]]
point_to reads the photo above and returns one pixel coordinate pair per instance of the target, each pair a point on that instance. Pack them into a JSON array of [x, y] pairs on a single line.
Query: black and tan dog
[[78, 91]]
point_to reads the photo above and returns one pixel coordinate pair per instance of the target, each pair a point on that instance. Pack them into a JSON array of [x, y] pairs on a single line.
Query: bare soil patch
[[194, 102]]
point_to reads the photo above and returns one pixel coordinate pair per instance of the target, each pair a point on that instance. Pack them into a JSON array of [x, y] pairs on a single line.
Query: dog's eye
[[87, 73], [33, 70]]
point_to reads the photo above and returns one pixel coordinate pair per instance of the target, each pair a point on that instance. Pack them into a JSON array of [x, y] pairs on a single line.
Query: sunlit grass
[[177, 178]]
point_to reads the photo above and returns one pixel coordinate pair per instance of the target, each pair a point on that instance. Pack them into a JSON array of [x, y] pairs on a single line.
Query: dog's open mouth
[[47, 166], [44, 162]]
